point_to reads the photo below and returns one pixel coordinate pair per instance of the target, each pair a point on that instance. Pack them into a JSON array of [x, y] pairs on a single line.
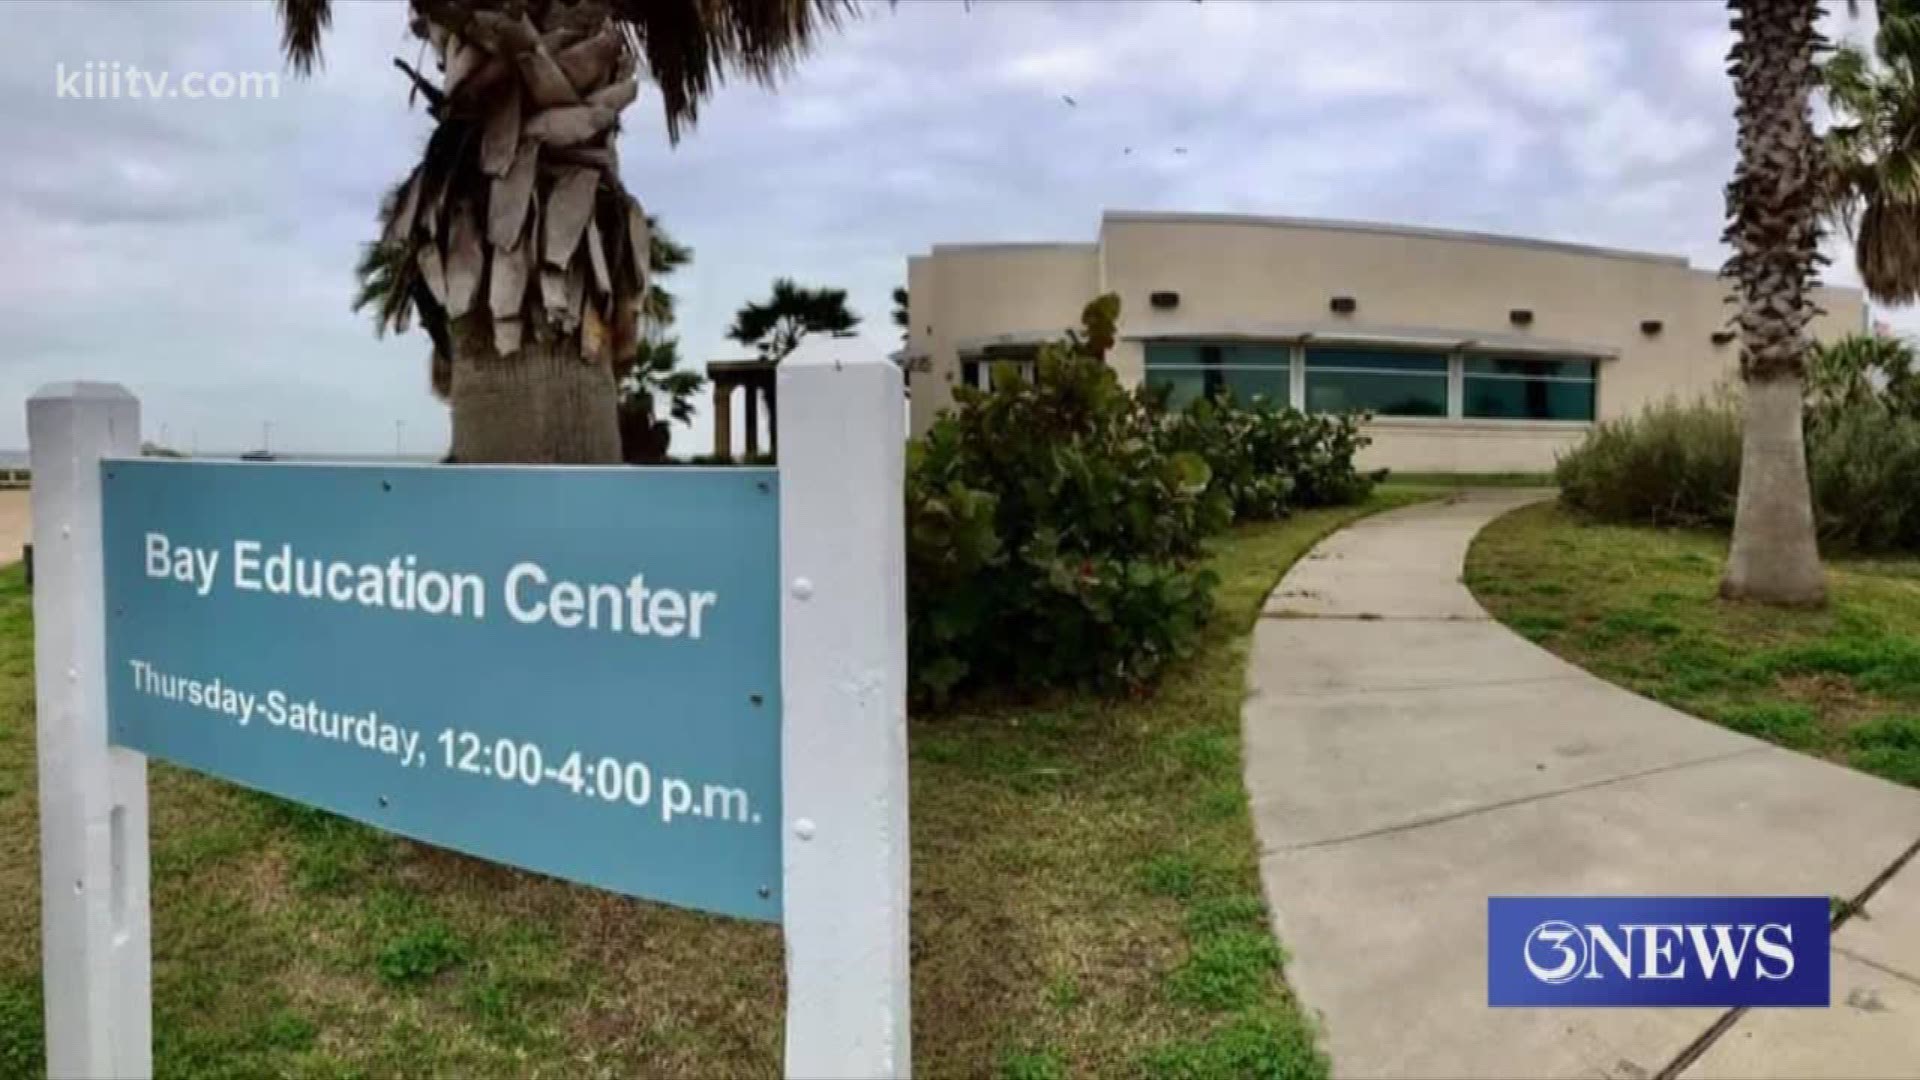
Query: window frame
[[1448, 362], [1285, 370], [1455, 373], [976, 369], [1591, 380]]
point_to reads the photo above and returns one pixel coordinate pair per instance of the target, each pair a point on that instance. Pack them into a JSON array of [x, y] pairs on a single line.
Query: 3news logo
[[1656, 951]]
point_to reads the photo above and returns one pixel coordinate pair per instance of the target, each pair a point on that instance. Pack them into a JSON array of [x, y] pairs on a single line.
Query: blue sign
[[574, 671], [1658, 951]]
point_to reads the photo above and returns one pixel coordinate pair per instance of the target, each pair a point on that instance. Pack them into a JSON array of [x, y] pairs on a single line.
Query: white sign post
[[843, 673], [94, 937]]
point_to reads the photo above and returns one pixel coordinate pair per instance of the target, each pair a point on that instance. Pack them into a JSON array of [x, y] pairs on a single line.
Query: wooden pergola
[[756, 377]]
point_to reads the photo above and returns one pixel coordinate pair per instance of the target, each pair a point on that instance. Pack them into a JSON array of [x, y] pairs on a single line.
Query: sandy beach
[[16, 524]]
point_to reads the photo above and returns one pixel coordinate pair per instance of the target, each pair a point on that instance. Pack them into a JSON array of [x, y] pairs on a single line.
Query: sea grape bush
[[1222, 434], [1268, 459], [1051, 538], [1056, 522]]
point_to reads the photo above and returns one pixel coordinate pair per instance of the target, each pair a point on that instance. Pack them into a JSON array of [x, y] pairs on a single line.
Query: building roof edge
[[1384, 229]]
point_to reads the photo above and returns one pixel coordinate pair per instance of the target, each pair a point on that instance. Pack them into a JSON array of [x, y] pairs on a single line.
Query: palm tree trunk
[[1774, 229], [543, 405], [1775, 557]]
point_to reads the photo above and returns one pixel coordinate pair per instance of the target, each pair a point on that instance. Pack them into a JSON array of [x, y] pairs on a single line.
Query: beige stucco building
[[1475, 353]]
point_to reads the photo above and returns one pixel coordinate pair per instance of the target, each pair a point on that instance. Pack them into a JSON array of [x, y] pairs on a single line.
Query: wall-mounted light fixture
[[1164, 300], [1520, 317], [1724, 337], [1344, 305], [1650, 327]]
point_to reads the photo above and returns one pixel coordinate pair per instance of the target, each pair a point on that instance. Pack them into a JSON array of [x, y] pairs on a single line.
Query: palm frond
[[1888, 250], [1899, 35], [665, 254], [691, 46], [379, 270], [1862, 371], [302, 24], [1870, 161]]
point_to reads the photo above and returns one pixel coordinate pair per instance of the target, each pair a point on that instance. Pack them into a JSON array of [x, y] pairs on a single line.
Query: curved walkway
[[1408, 757]]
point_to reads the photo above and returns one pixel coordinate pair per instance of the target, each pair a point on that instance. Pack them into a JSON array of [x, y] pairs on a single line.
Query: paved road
[[16, 524], [1408, 757]]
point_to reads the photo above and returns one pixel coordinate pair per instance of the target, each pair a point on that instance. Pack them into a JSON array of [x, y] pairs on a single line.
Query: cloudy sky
[[201, 252]]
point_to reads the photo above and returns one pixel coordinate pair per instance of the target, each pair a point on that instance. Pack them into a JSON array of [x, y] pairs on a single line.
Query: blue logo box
[[1658, 951]]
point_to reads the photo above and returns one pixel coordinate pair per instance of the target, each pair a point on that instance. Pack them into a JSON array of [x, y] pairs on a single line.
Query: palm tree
[[776, 327], [650, 376], [654, 379], [1774, 229], [514, 242], [1872, 187]]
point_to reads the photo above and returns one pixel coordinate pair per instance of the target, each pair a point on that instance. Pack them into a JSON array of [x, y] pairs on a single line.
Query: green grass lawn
[[1085, 898], [1638, 607]]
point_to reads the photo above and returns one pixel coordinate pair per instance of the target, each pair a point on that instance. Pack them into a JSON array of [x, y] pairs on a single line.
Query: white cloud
[[1055, 68], [1556, 55], [1628, 133], [203, 255]]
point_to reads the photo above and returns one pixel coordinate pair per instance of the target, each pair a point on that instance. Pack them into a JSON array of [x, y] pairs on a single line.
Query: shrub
[[1221, 433], [1321, 454], [1679, 465], [1052, 538], [1863, 463], [1266, 459], [1673, 464]]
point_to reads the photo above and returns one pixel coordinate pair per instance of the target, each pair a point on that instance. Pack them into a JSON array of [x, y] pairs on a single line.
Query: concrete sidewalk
[[1408, 757]]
